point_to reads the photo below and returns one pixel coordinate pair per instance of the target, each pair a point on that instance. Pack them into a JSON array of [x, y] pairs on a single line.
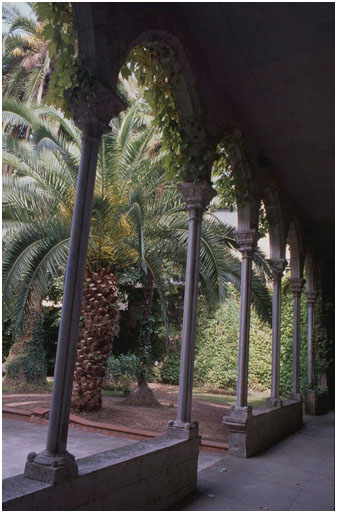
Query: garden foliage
[[216, 354]]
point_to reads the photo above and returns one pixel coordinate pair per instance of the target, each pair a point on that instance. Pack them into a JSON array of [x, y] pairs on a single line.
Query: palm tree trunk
[[143, 395], [100, 324], [145, 343]]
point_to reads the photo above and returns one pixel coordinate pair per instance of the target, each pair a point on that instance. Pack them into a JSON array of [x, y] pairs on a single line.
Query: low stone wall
[[148, 475], [258, 429]]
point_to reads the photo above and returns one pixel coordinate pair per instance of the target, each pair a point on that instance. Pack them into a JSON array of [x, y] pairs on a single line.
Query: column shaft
[[67, 341], [296, 345], [194, 316], [189, 318], [310, 325], [296, 287], [244, 331], [276, 313], [277, 266], [92, 110], [197, 197]]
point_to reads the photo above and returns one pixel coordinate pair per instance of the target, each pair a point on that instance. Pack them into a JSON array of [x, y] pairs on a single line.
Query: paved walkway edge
[[40, 415]]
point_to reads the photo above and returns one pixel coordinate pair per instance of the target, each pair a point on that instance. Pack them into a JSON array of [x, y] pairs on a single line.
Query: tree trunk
[[26, 363], [99, 325], [143, 395]]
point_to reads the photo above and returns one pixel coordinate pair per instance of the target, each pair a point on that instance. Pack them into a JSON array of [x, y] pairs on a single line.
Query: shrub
[[216, 360], [170, 370], [121, 372], [216, 355]]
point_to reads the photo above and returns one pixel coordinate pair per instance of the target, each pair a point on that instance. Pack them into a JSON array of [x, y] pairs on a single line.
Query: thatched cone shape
[[99, 325]]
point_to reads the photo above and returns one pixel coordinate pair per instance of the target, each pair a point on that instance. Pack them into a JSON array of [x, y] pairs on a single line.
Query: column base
[[51, 468], [237, 418], [316, 402], [274, 402], [182, 429]]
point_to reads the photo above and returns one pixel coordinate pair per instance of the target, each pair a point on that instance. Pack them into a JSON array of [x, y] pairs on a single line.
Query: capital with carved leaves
[[247, 241], [278, 266], [296, 284], [311, 297], [93, 108], [197, 195]]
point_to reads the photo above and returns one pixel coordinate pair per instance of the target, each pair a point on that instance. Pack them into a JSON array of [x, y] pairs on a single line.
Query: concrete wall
[[147, 475], [264, 428]]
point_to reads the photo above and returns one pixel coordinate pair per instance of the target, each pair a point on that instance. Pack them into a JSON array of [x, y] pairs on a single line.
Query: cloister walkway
[[19, 438], [296, 474]]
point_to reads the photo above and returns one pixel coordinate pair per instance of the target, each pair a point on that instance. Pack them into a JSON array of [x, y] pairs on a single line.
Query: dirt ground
[[115, 412]]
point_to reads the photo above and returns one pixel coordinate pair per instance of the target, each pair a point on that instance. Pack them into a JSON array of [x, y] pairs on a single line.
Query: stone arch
[[105, 62], [243, 172], [277, 219], [185, 93], [312, 271]]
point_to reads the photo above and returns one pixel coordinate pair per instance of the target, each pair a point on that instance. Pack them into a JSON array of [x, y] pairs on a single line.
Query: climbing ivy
[[322, 345], [155, 71], [58, 29], [30, 360]]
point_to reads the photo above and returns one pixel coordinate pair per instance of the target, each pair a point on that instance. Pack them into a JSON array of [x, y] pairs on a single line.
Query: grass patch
[[255, 398], [222, 399]]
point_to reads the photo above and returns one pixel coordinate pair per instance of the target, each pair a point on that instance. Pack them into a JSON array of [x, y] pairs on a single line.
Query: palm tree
[[137, 219], [25, 61], [37, 215]]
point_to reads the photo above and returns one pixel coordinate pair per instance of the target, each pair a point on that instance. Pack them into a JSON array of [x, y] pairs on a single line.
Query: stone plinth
[[316, 402], [258, 429], [148, 475]]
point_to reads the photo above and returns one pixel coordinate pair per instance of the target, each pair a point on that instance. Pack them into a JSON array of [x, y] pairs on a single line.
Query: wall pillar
[[296, 287], [197, 197], [55, 463], [277, 266]]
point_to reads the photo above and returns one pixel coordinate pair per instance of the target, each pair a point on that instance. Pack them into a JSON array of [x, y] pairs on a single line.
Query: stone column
[[277, 266], [197, 197], [311, 299], [296, 287], [92, 114], [247, 242]]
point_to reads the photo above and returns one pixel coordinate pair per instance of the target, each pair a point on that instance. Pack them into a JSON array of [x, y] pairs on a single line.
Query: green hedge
[[216, 354], [216, 359]]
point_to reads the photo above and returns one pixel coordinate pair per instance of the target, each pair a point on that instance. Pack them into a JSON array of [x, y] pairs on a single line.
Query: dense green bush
[[170, 370], [216, 359], [216, 355], [121, 372]]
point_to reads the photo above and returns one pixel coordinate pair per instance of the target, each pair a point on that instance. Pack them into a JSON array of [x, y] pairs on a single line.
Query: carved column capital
[[247, 241], [311, 297], [278, 266], [197, 196], [297, 284], [94, 108]]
